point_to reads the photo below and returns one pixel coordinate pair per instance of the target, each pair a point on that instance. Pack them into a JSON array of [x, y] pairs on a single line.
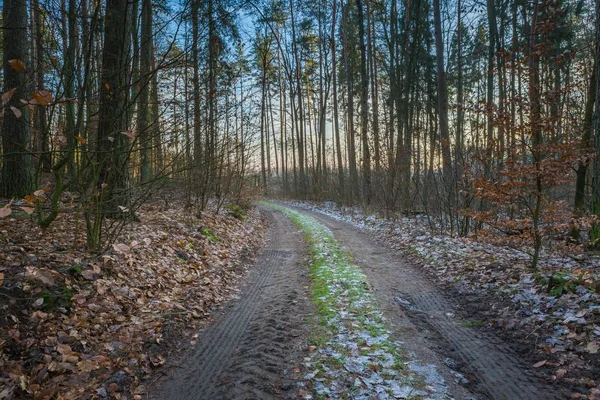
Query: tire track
[[497, 370], [247, 352]]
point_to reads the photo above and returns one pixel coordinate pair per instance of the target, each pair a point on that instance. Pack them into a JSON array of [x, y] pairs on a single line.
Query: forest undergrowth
[[80, 325]]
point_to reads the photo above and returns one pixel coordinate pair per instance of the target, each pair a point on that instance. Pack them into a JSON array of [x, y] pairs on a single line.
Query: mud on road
[[253, 349]]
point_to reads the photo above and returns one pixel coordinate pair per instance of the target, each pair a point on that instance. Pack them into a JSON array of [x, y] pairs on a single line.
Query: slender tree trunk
[[536, 133], [198, 181], [442, 96], [374, 86], [364, 106], [335, 102], [144, 107], [585, 146], [45, 162], [350, 140], [595, 234], [156, 131]]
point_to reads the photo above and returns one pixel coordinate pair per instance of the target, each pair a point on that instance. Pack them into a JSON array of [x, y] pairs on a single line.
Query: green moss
[[236, 211], [209, 235], [59, 297], [472, 323]]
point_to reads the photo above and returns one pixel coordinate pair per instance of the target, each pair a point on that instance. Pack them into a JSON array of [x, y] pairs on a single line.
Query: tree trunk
[[584, 147], [442, 97], [144, 108], [364, 105], [17, 164], [335, 102], [112, 145]]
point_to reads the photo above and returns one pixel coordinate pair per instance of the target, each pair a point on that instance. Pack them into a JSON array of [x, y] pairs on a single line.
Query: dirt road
[[254, 349], [426, 320]]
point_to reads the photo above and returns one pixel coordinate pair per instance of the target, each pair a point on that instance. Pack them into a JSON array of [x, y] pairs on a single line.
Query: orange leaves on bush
[[42, 98]]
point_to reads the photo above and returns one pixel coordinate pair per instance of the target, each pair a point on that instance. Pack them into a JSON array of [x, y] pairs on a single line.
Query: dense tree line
[[482, 115]]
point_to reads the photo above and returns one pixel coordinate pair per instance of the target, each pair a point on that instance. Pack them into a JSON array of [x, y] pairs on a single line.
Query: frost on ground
[[354, 355], [558, 306]]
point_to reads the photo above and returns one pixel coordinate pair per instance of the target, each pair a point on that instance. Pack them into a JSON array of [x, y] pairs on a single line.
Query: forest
[[481, 119], [478, 115]]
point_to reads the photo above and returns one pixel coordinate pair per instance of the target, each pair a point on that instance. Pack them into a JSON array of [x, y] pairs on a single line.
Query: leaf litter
[[75, 325], [553, 313]]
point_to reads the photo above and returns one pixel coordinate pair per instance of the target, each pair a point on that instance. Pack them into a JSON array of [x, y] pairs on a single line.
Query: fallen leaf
[[88, 274], [81, 140], [14, 334], [1, 278], [561, 373], [5, 211], [28, 210], [121, 248], [592, 347], [540, 363]]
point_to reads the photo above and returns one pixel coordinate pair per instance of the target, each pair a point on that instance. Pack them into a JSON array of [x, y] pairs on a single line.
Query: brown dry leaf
[[6, 96], [18, 113], [40, 99], [14, 334], [81, 140], [17, 65], [129, 134], [64, 349], [101, 289], [540, 363], [5, 211], [28, 210], [39, 314], [88, 274], [1, 278], [121, 248]]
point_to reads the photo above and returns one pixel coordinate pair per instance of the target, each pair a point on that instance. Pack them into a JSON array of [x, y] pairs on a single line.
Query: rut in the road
[[250, 352], [499, 372]]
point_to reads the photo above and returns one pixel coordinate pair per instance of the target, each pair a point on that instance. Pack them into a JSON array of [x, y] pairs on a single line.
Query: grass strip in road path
[[353, 355]]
